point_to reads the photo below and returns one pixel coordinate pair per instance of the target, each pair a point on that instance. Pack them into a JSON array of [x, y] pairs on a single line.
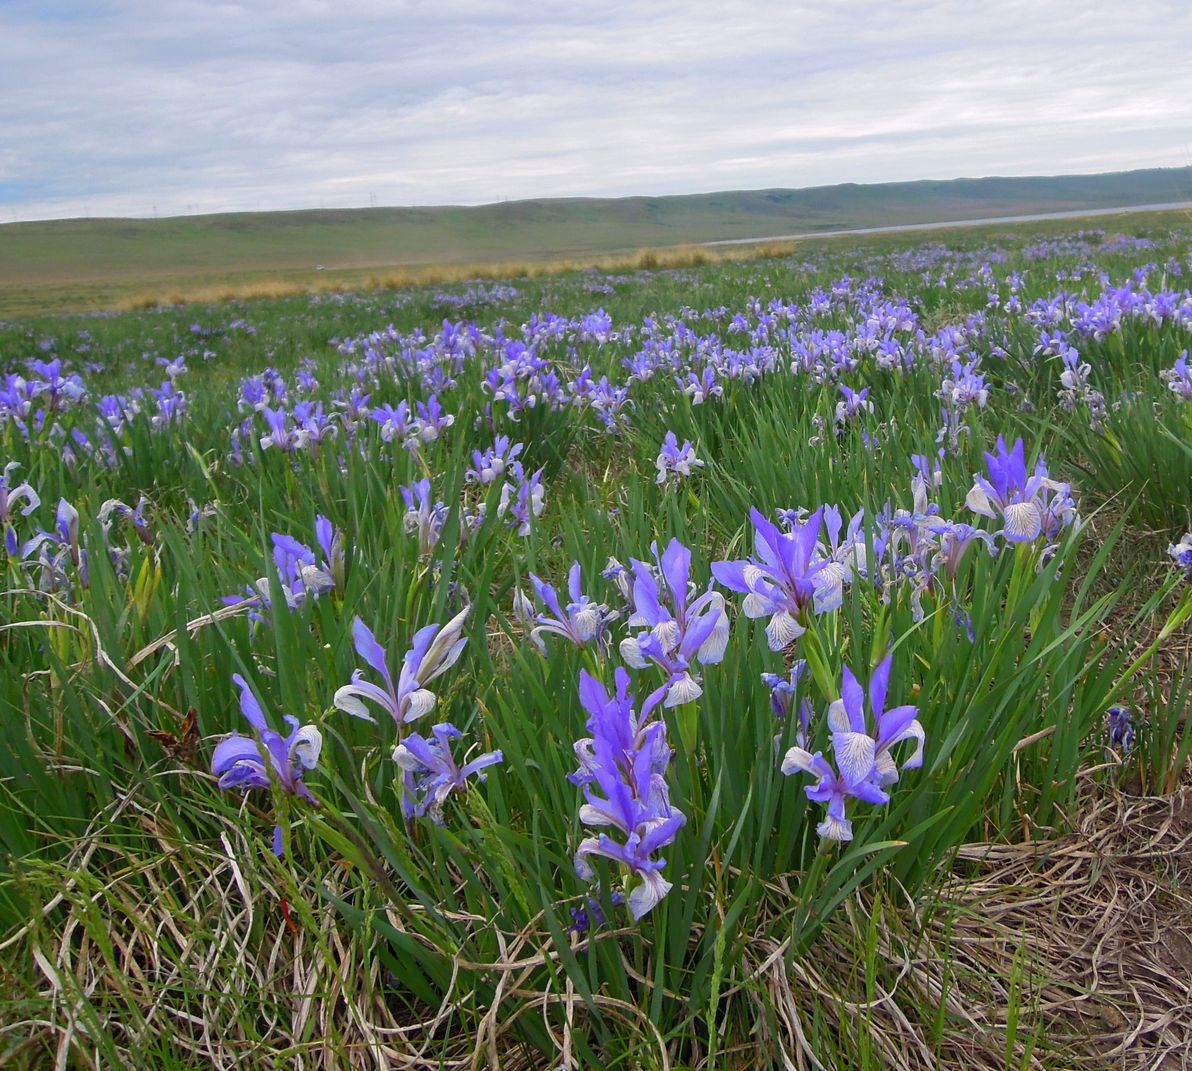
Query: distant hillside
[[126, 251]]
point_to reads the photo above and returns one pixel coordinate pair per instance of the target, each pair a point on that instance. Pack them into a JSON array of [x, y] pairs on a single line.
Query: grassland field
[[723, 661], [96, 264]]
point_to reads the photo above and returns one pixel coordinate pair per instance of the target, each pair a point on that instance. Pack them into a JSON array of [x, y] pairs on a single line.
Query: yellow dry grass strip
[[412, 276]]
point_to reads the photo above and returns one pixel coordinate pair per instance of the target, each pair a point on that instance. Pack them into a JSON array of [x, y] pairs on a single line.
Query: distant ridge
[[122, 252]]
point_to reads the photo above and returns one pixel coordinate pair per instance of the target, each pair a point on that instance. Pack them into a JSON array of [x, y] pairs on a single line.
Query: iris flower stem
[[687, 722], [1023, 556], [591, 662], [805, 928], [813, 652]]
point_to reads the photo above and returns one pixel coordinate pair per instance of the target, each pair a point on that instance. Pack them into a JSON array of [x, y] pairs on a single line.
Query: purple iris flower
[[174, 367], [424, 516], [280, 435], [16, 397], [608, 401], [331, 542], [1119, 729], [862, 745], [931, 471], [432, 773], [115, 410], [491, 465], [623, 774], [675, 460], [1181, 554], [1030, 506], [300, 571], [432, 421], [354, 407], [583, 621], [1179, 378], [10, 495], [590, 914], [681, 633], [854, 404], [136, 517], [955, 538], [171, 404], [845, 556], [253, 393], [396, 423], [834, 789], [784, 689], [246, 762], [784, 579], [699, 388], [522, 498], [313, 426], [67, 543], [432, 652], [57, 388], [613, 570], [1075, 375]]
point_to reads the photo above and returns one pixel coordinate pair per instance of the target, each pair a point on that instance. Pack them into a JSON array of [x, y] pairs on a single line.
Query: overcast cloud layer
[[131, 106]]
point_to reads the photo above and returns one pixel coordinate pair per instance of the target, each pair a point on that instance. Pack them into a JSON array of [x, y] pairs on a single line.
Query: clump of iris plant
[[268, 758], [10, 494], [682, 631], [491, 465], [431, 772], [523, 498], [1179, 378], [622, 771], [301, 572], [583, 621], [432, 652], [1030, 506], [862, 744], [61, 557], [424, 517], [675, 460], [786, 579]]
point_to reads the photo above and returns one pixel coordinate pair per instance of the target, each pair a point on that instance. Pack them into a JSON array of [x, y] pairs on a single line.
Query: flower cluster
[[268, 758], [622, 771], [676, 460], [862, 749], [1029, 506], [682, 631], [787, 579], [429, 770], [582, 621], [433, 651]]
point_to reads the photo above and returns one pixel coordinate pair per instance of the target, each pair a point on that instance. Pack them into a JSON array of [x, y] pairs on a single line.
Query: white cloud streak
[[113, 108]]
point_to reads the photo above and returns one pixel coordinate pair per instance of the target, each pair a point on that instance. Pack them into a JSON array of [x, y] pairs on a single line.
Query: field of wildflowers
[[597, 671]]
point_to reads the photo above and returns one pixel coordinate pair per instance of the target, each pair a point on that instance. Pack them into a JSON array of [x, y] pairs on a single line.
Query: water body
[[1080, 213]]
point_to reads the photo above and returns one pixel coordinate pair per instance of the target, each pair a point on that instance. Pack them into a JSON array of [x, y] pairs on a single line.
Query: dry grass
[[1072, 953], [419, 275]]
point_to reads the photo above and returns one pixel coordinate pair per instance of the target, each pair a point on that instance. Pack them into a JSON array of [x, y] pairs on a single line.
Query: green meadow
[[814, 733]]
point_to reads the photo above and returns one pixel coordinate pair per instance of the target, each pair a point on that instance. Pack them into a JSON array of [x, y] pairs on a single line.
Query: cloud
[[120, 107]]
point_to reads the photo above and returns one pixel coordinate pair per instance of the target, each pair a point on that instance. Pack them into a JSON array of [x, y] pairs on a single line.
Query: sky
[[144, 107]]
